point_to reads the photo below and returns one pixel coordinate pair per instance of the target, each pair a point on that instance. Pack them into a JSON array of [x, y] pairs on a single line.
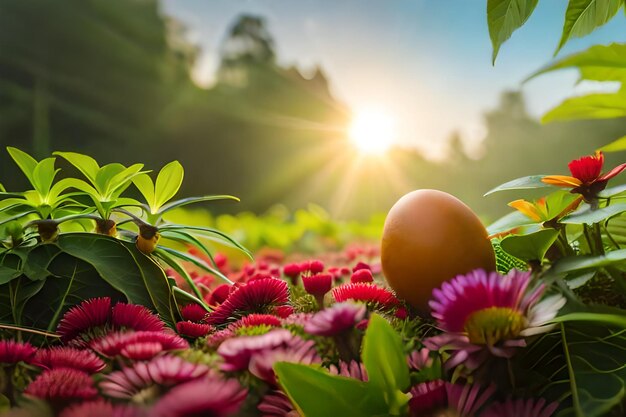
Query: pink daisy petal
[[60, 385], [68, 357], [91, 313]]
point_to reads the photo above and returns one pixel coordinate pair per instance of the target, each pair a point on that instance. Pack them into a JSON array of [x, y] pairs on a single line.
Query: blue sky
[[426, 62]]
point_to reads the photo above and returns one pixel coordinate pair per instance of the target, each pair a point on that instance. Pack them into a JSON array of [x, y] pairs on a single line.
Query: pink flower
[[204, 397], [427, 397], [192, 330], [361, 266], [128, 344], [295, 350], [352, 369], [238, 351], [368, 293], [258, 320], [489, 313], [339, 318], [68, 357], [419, 359], [362, 275], [13, 352], [258, 296], [521, 408], [60, 385], [135, 317], [277, 404], [162, 371], [434, 398], [193, 312], [218, 295], [314, 267], [101, 408], [291, 270], [283, 311], [91, 313]]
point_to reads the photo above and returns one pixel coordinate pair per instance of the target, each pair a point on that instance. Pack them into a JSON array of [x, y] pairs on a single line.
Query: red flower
[[361, 265], [118, 343], [314, 266], [317, 285], [283, 311], [291, 270], [587, 178], [339, 318], [362, 275], [193, 312], [277, 404], [192, 330], [352, 369], [218, 295], [14, 352], [192, 399], [136, 317], [62, 385], [258, 320], [91, 313], [367, 293], [258, 296], [68, 357]]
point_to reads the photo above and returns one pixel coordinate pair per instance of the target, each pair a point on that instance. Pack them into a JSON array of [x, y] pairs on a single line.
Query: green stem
[[570, 370], [597, 235], [610, 236]]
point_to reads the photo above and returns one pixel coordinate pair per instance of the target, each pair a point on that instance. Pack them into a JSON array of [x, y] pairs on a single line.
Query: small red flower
[[367, 293], [218, 295], [258, 296], [314, 267], [192, 330], [362, 275], [361, 265], [135, 317], [258, 320], [68, 357], [115, 343], [193, 312], [91, 313], [317, 285], [62, 385], [587, 178], [13, 352], [292, 271], [284, 311]]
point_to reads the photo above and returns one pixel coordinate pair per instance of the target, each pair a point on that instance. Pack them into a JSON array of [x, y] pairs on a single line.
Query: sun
[[372, 131]]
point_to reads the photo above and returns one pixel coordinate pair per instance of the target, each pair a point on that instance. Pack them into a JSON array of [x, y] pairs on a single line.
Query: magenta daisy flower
[[296, 350], [68, 357], [314, 267], [439, 398], [192, 330], [204, 397], [238, 351], [139, 343], [334, 320], [277, 404], [218, 295], [317, 285], [521, 408], [135, 317], [13, 352], [101, 408], [419, 359], [91, 313], [368, 293], [283, 311], [258, 296], [61, 385], [258, 320], [487, 312], [193, 312], [162, 371]]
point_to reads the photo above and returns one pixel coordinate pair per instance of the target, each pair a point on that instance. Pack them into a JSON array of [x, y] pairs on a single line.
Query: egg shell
[[430, 237]]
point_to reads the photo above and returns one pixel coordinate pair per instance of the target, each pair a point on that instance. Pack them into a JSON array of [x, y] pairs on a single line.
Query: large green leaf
[[586, 215], [43, 176], [122, 266], [385, 361], [591, 106], [578, 263], [504, 17], [615, 146], [26, 162], [316, 393], [532, 247], [509, 222], [84, 163], [524, 183], [583, 16], [144, 184]]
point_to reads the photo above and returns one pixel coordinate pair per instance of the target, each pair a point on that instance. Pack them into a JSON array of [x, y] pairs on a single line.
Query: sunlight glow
[[372, 131]]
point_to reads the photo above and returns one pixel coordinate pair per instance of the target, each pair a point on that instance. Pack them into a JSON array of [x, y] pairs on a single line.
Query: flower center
[[492, 325]]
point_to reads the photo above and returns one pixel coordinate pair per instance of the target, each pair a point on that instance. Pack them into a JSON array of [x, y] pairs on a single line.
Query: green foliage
[[584, 16], [504, 17], [524, 183], [616, 146], [531, 247], [383, 394], [504, 261]]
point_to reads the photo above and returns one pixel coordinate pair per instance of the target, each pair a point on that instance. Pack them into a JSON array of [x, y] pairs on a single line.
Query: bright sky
[[426, 62]]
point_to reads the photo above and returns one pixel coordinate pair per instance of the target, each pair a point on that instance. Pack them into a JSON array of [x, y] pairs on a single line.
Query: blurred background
[[344, 105]]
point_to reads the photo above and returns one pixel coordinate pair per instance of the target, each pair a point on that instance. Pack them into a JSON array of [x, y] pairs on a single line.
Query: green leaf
[[43, 176], [165, 253], [385, 361], [223, 237], [192, 200], [588, 216], [168, 182], [85, 164], [26, 162], [532, 247], [524, 183], [577, 263], [104, 176], [504, 261], [122, 180], [315, 393], [608, 319], [612, 191], [509, 222], [504, 17], [8, 274], [615, 146], [583, 16], [591, 106], [144, 184]]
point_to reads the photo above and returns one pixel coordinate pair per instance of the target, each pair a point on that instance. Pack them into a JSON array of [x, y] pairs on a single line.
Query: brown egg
[[430, 237]]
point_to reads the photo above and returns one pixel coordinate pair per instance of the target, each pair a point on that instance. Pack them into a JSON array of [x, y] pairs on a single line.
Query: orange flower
[[587, 178], [537, 211]]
